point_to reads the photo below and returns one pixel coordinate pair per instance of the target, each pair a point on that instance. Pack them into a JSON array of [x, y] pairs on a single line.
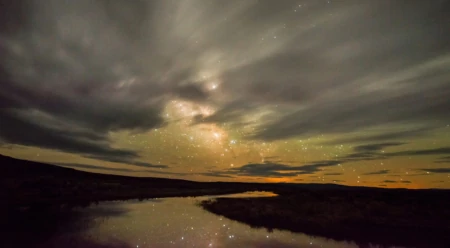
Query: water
[[166, 222]]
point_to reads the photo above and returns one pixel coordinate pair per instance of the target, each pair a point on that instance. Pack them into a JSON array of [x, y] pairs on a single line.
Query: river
[[164, 222]]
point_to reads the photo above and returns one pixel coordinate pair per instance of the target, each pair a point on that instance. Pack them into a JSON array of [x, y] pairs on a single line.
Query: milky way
[[351, 92]]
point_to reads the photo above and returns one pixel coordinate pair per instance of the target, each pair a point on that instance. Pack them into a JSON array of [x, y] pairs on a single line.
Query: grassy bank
[[390, 217]]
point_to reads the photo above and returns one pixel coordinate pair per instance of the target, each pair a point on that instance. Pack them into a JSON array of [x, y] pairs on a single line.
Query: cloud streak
[[270, 169], [437, 170], [380, 172]]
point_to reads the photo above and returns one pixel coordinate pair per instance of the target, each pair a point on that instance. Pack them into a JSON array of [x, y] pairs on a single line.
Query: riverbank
[[392, 217]]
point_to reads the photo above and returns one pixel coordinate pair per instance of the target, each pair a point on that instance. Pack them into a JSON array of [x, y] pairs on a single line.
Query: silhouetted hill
[[18, 168], [12, 166], [26, 183]]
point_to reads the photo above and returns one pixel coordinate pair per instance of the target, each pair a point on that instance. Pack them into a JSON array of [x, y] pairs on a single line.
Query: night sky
[[349, 92]]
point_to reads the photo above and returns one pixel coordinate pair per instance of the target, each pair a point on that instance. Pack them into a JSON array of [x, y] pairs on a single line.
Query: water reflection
[[250, 194], [169, 222]]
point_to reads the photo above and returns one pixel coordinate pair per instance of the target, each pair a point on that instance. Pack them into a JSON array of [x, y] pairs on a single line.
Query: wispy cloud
[[333, 174], [437, 170], [280, 170], [380, 172], [96, 167]]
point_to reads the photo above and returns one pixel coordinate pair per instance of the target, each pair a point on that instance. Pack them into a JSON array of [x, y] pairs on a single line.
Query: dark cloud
[[13, 15], [95, 167], [434, 151], [347, 113], [389, 181], [437, 170], [17, 129], [333, 174], [234, 111], [345, 83], [73, 72], [192, 92], [376, 151], [443, 160], [148, 165], [105, 168], [375, 147], [269, 169], [380, 172], [215, 174], [361, 153], [125, 161], [369, 152], [67, 91], [400, 181], [413, 133]]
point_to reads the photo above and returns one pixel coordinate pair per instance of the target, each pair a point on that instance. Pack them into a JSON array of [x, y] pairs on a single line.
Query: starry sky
[[354, 92]]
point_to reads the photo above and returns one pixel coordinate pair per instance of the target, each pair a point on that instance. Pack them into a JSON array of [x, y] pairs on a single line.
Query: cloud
[[360, 153], [73, 72], [105, 168], [434, 151], [215, 174], [191, 92], [95, 167], [375, 151], [375, 147], [369, 152], [125, 161], [269, 169], [333, 174], [19, 129], [233, 111], [67, 91], [392, 181], [148, 165], [437, 170], [389, 181], [319, 80], [443, 160], [380, 172], [385, 136], [347, 113]]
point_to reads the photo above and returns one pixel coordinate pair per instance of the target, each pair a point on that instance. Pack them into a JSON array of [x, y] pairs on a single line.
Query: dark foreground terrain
[[413, 218], [416, 218], [26, 184]]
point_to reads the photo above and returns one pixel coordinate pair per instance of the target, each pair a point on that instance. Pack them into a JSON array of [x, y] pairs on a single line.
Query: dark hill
[[26, 183], [18, 168]]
